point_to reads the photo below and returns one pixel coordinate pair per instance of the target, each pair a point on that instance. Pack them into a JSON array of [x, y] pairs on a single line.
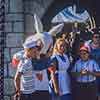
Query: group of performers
[[53, 75]]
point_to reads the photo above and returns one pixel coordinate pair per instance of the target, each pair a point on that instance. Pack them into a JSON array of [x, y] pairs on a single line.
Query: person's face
[[96, 38], [61, 47], [32, 52], [84, 55], [64, 36]]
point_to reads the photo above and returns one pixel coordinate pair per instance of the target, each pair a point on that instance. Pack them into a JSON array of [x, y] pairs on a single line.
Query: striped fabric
[[89, 65], [69, 15], [28, 76]]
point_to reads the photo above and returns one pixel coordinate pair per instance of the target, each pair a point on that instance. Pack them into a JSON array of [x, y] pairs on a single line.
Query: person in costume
[[45, 41], [25, 78], [60, 79]]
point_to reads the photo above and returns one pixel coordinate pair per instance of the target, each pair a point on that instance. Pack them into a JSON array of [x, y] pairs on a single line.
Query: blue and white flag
[[69, 15]]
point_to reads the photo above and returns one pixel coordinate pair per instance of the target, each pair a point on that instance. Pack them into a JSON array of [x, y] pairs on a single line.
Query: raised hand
[[84, 72]]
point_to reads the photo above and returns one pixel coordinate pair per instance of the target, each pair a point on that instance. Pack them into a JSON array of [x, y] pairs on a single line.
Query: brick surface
[[6, 6], [8, 27], [14, 40], [6, 55], [5, 70], [6, 98], [18, 27], [14, 17], [12, 71], [16, 6], [34, 7], [9, 88], [29, 24], [15, 50]]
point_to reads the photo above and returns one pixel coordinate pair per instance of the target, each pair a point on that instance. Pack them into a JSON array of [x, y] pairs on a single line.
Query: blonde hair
[[55, 49]]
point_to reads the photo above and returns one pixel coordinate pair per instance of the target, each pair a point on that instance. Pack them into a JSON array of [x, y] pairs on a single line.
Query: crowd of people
[[64, 79]]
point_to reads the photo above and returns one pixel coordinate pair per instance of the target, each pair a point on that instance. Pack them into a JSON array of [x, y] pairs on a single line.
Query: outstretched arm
[[17, 82], [40, 64]]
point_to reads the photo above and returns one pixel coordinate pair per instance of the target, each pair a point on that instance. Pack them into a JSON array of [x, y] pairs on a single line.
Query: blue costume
[[63, 78]]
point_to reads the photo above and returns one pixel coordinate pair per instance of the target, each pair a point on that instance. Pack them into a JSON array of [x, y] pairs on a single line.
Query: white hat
[[30, 44]]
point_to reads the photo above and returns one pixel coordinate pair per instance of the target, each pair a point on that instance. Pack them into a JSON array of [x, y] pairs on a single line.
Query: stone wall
[[18, 21], [14, 28], [34, 6]]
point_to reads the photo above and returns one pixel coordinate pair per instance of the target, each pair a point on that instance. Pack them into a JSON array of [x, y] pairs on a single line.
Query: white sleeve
[[21, 67]]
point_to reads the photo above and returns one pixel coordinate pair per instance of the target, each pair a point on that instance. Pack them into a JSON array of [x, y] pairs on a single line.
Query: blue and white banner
[[69, 15]]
